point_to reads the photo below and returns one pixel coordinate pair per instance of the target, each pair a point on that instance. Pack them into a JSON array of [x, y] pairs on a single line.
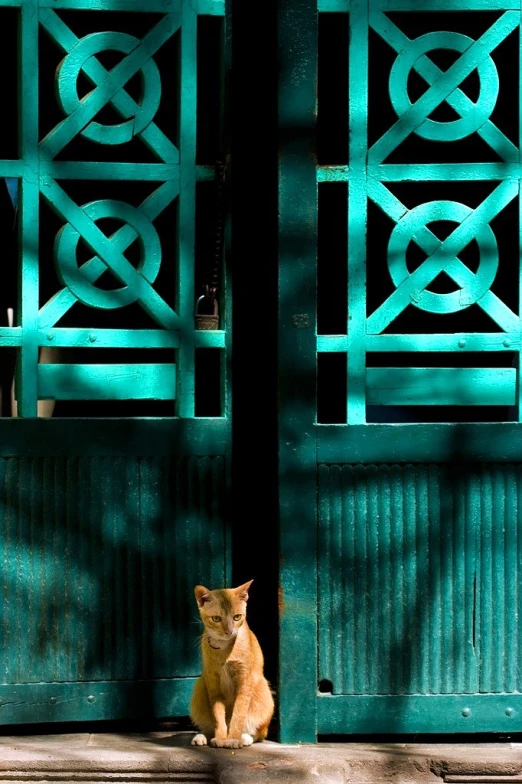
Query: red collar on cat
[[213, 648]]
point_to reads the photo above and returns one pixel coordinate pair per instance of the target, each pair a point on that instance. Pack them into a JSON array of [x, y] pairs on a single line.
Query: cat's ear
[[242, 591], [202, 595]]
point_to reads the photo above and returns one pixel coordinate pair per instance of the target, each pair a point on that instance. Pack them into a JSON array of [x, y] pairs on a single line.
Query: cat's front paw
[[227, 743], [199, 740]]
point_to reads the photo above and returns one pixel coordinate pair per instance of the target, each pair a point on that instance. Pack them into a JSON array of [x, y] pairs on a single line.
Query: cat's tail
[[262, 732]]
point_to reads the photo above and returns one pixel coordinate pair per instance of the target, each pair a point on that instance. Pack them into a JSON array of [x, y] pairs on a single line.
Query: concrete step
[[162, 757]]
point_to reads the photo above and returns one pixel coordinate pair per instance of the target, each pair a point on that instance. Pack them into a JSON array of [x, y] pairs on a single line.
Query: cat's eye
[[216, 618], [237, 617]]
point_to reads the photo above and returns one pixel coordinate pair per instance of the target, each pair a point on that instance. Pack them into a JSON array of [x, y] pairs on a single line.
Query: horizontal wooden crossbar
[[102, 437], [65, 337], [446, 5], [343, 6], [333, 6], [106, 382], [108, 338], [93, 170], [441, 386], [457, 342], [87, 170], [418, 713], [217, 7], [204, 7], [99, 700], [425, 172], [497, 442]]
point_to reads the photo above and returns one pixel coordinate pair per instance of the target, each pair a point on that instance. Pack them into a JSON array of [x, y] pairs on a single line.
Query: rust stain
[[257, 766], [280, 600]]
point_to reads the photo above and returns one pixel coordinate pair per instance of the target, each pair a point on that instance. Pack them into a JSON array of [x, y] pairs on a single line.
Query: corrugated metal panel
[[419, 573], [98, 559]]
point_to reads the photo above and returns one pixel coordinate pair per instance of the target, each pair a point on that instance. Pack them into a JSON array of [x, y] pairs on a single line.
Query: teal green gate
[[401, 519], [107, 523]]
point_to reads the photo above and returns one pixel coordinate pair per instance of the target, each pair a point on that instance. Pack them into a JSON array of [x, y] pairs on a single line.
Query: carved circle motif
[[477, 113], [418, 219], [77, 281], [67, 87]]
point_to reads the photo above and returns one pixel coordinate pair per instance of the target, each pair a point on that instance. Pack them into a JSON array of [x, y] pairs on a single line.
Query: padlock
[[207, 320]]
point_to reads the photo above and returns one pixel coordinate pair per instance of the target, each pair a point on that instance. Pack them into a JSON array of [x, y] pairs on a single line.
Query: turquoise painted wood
[[40, 174], [404, 538], [107, 524], [426, 556], [441, 386], [297, 281], [102, 553], [88, 382]]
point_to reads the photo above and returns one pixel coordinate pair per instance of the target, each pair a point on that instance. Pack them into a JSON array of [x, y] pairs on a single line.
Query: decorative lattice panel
[[109, 255], [433, 181]]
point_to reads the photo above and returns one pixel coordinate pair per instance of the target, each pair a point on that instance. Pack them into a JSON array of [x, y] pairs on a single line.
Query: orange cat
[[232, 704]]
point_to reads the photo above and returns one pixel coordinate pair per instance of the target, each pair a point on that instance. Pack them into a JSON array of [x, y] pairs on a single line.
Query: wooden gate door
[[114, 508], [400, 452]]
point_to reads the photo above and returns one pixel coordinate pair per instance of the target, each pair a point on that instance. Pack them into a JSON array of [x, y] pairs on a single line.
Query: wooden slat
[[26, 379], [11, 168], [441, 386], [425, 172], [456, 342], [211, 7], [111, 437], [333, 173], [10, 336], [419, 443], [206, 7], [106, 382], [152, 6], [88, 170], [108, 338], [333, 6], [113, 338], [392, 715], [443, 172], [446, 5], [205, 173], [357, 209], [63, 702], [185, 294], [518, 413]]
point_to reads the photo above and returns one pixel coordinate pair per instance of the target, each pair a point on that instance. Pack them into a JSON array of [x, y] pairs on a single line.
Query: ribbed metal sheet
[[98, 559], [419, 578]]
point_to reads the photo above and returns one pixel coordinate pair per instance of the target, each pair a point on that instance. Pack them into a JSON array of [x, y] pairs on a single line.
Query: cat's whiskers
[[199, 639]]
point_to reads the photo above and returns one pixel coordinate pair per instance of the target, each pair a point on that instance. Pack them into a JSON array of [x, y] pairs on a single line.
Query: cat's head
[[222, 611]]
